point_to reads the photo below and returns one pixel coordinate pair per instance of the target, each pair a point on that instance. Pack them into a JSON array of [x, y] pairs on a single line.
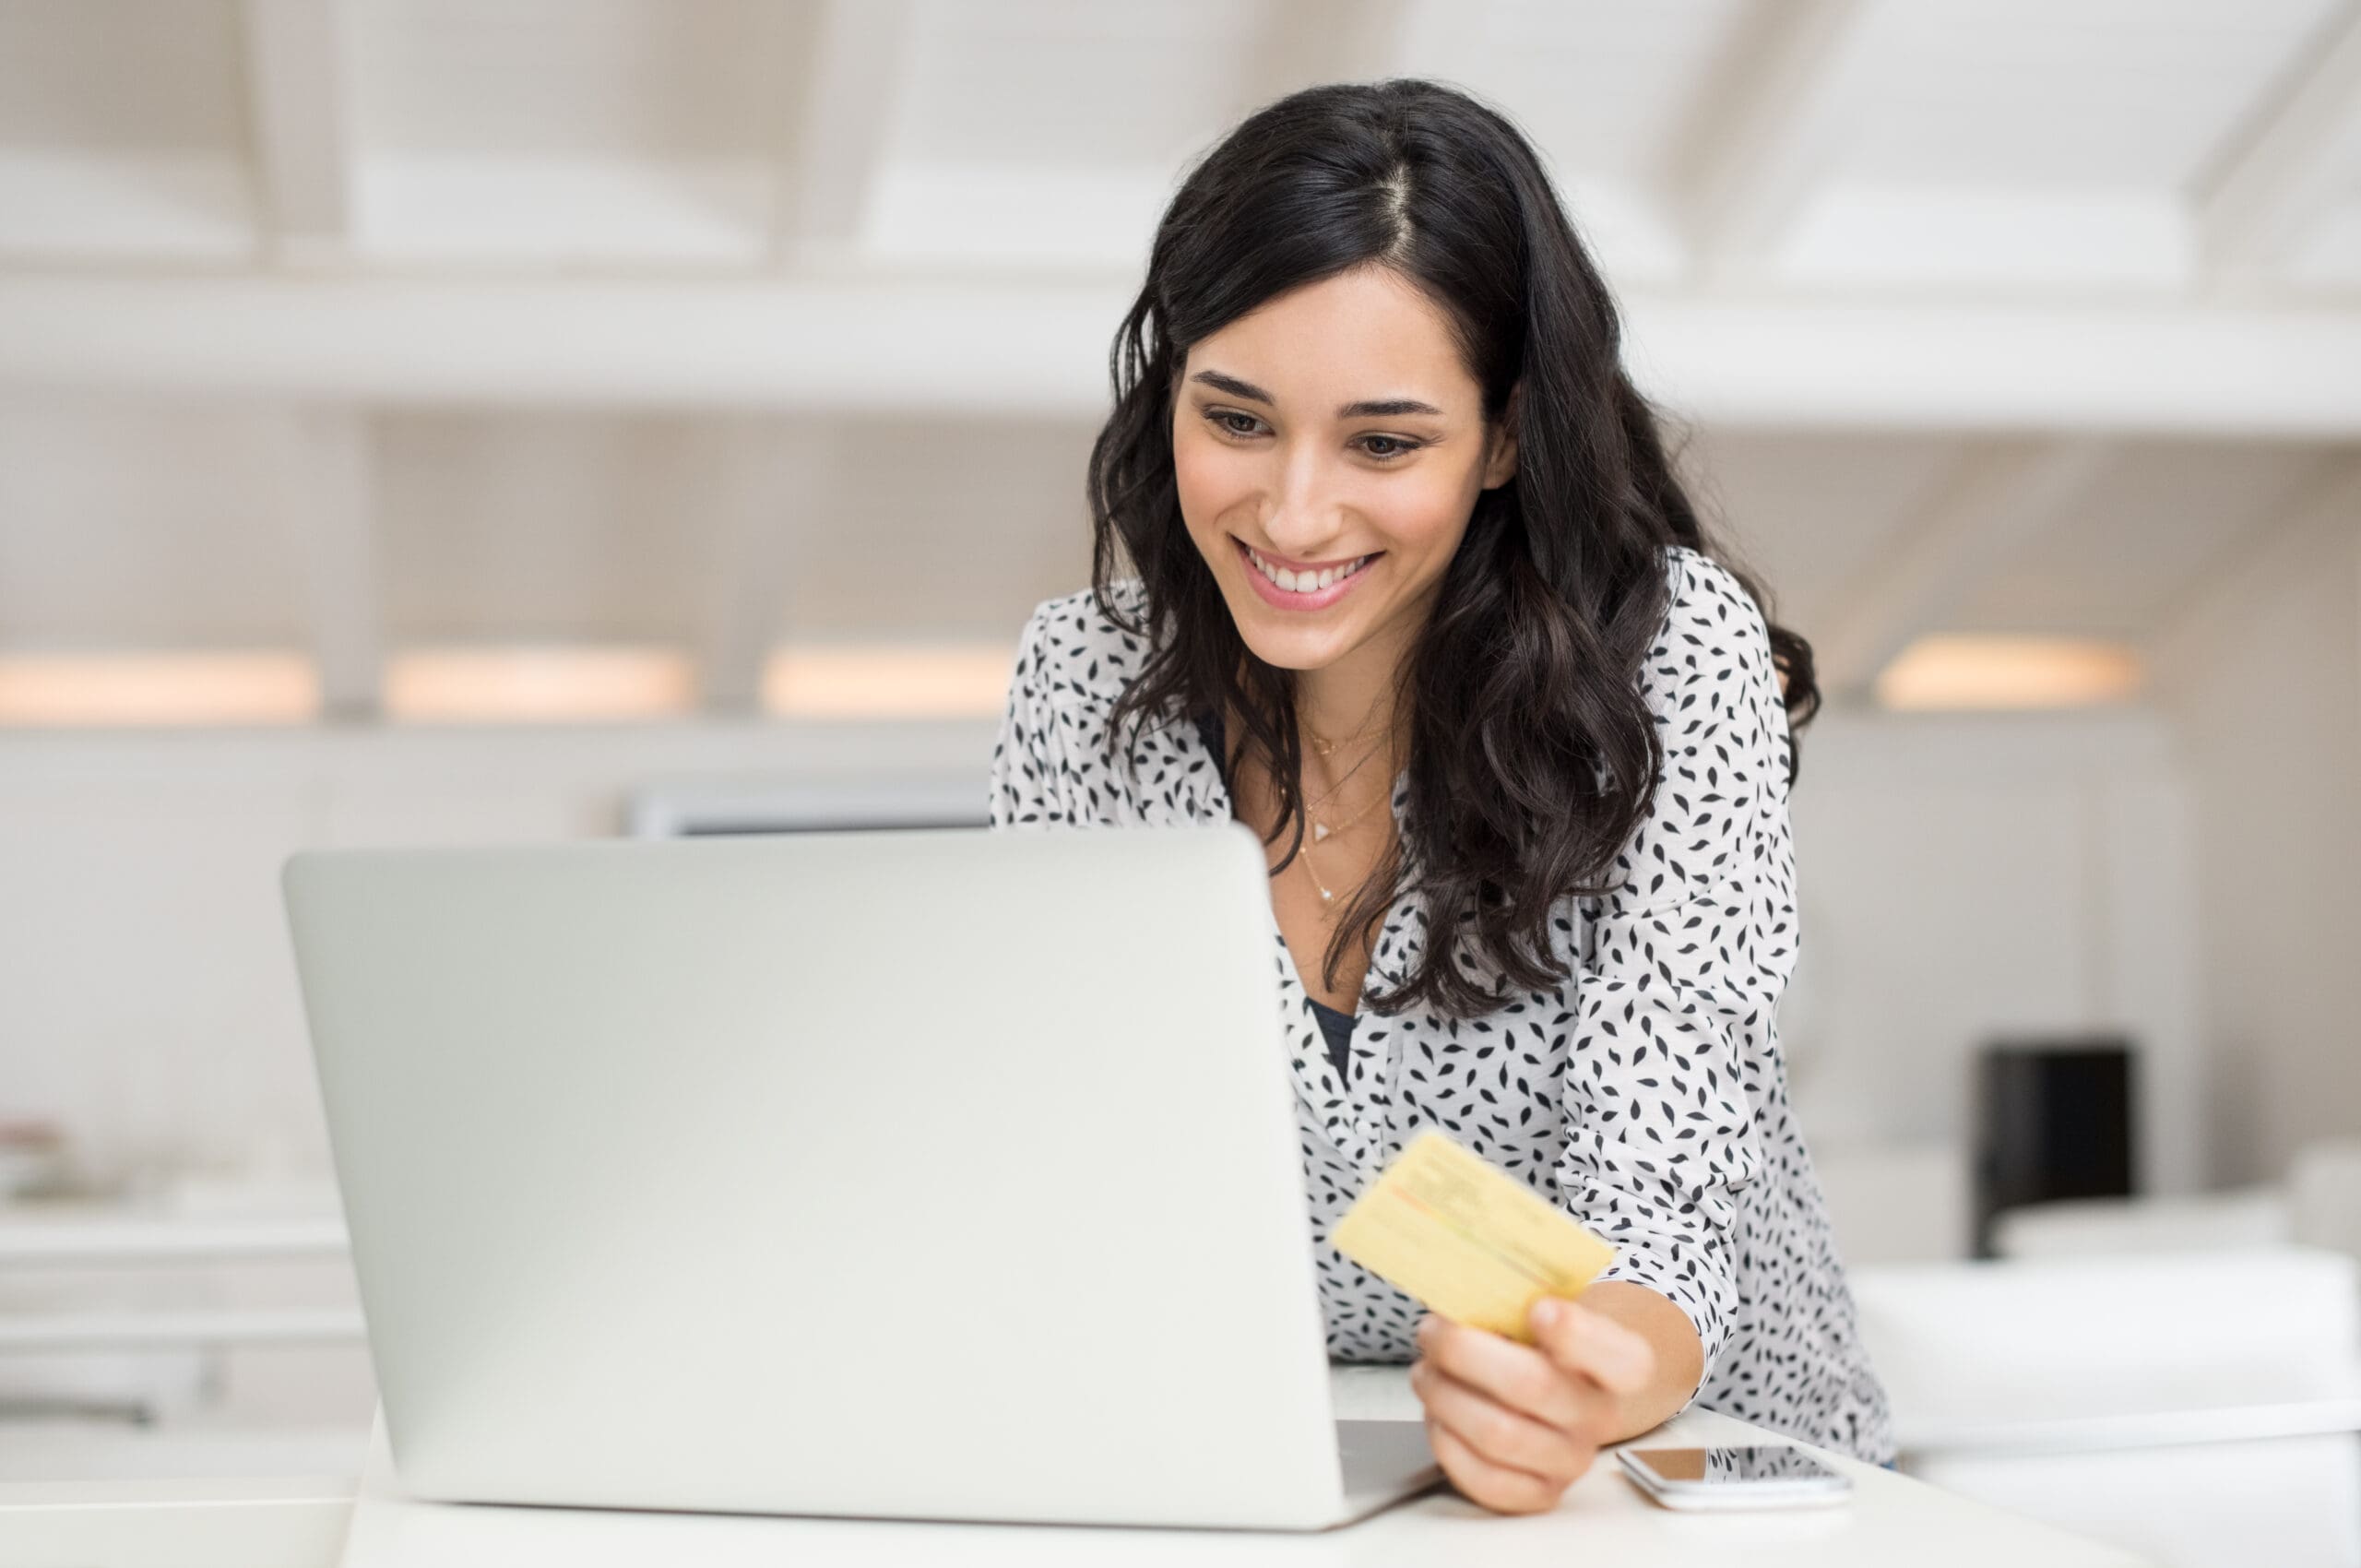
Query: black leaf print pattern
[[1646, 1097]]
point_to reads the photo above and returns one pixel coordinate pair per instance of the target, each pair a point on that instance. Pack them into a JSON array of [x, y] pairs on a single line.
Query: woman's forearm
[[1680, 1358]]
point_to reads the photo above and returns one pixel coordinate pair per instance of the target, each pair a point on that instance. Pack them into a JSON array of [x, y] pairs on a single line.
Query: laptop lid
[[909, 1174]]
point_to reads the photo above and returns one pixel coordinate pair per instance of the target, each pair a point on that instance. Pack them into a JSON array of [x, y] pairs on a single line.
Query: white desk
[[1602, 1518]]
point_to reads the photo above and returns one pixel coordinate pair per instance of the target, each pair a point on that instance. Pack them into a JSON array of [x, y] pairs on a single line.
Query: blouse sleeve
[[1681, 967], [1027, 760]]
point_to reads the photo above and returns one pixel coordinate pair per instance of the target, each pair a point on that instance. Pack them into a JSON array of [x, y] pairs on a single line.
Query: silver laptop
[[945, 1175]]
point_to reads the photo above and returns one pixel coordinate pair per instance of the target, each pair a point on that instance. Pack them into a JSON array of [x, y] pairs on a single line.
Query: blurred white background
[[448, 421]]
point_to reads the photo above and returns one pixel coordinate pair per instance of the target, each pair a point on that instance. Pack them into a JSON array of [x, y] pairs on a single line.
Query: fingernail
[[1544, 1311], [1426, 1329]]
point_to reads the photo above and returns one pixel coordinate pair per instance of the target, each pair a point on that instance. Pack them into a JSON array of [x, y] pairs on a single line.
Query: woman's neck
[[1357, 695]]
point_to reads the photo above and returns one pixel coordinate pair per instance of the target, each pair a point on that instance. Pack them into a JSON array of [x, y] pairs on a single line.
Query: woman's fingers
[[1591, 1343], [1519, 1376], [1506, 1437], [1497, 1487], [1513, 1425]]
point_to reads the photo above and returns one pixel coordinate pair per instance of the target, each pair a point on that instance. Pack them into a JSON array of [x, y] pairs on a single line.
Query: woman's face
[[1332, 436]]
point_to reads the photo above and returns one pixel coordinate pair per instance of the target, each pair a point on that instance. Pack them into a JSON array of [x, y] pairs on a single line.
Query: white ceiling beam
[[297, 121], [761, 475], [328, 503], [1766, 129], [2300, 155], [2002, 497], [1015, 348], [1987, 365], [852, 76]]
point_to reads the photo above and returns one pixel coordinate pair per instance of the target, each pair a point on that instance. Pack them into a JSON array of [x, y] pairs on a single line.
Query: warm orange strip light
[[888, 680], [530, 684], [138, 689], [1958, 672]]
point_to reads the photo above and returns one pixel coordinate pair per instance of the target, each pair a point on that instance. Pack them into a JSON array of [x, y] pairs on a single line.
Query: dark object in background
[[2053, 1120]]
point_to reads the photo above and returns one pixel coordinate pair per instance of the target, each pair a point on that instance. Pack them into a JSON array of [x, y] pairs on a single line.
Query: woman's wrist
[[1679, 1356]]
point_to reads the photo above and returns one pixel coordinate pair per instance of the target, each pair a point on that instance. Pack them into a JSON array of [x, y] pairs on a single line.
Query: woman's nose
[[1304, 509]]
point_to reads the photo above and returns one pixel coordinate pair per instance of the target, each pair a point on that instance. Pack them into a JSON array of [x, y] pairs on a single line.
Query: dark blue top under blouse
[[1337, 1026]]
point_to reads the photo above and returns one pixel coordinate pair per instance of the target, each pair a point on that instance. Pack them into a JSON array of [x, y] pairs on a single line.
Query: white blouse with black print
[[1645, 1095]]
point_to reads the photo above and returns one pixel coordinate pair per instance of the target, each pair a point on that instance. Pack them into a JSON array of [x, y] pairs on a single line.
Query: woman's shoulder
[[1075, 650], [1712, 629], [1706, 595], [1714, 686]]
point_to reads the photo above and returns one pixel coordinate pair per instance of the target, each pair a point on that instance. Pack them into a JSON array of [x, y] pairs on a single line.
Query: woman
[[1418, 598]]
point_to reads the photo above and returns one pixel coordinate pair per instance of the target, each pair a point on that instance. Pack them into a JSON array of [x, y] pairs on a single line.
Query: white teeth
[[1293, 581]]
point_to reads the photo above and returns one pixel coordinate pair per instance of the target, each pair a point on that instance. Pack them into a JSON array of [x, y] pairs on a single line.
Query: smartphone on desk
[[1752, 1476]]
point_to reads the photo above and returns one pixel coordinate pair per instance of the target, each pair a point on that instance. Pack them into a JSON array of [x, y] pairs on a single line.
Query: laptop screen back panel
[[926, 1174]]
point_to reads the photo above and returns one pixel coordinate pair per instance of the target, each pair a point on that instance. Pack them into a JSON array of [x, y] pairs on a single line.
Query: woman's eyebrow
[[1386, 408], [1371, 409], [1235, 388]]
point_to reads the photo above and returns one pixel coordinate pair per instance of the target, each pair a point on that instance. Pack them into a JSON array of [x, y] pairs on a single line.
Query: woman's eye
[[1384, 448]]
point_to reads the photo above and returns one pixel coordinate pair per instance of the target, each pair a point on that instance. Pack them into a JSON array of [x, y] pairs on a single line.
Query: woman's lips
[[1280, 598]]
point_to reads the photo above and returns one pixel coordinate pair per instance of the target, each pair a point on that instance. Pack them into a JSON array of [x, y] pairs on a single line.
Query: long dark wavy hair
[[1533, 757]]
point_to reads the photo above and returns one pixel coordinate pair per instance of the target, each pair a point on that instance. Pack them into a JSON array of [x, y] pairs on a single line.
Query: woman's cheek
[[1425, 518], [1210, 488], [1203, 471]]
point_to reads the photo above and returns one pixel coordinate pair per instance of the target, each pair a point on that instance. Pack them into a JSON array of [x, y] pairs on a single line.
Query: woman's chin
[[1293, 647]]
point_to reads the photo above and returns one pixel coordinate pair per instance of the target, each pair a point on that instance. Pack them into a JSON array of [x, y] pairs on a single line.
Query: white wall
[[2265, 677], [1958, 876], [1966, 876], [147, 995]]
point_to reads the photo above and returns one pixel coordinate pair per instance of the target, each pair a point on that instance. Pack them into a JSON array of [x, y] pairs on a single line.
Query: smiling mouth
[[1289, 580]]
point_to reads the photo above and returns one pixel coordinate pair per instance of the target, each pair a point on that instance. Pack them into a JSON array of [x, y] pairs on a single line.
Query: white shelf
[[113, 1330], [46, 1242]]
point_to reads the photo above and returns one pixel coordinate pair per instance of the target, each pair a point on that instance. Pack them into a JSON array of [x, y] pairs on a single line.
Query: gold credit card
[[1467, 1238]]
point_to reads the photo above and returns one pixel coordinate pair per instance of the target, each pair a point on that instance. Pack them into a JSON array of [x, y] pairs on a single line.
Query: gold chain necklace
[[1327, 746], [1336, 788], [1303, 853], [1320, 830]]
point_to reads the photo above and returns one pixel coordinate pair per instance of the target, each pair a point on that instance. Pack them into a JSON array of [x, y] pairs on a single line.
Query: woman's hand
[[1514, 1425]]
